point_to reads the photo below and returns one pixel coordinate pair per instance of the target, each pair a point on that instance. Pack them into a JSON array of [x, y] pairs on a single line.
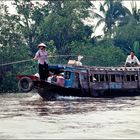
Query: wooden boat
[[85, 81]]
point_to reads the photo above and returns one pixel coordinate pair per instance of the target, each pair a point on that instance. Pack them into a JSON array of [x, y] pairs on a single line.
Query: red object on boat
[[32, 77]]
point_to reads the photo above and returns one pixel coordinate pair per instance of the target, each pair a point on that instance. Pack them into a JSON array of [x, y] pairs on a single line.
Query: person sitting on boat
[[60, 79], [56, 79], [52, 79], [42, 57], [132, 60]]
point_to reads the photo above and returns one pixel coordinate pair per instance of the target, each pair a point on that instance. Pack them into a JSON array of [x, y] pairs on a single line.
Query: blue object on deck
[[69, 76]]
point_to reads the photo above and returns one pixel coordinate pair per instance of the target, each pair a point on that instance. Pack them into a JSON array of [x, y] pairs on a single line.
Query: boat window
[[112, 78], [117, 77], [128, 78], [136, 77], [67, 76], [122, 78], [133, 78], [96, 77], [106, 76], [76, 76], [91, 78], [102, 77], [83, 76]]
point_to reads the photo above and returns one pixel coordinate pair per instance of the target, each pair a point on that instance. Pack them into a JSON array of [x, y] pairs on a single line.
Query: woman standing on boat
[[42, 57]]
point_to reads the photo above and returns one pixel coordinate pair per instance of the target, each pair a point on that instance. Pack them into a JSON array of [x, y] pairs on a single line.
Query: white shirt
[[42, 56], [130, 60]]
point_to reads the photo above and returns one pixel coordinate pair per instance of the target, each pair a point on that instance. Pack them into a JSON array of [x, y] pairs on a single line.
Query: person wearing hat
[[42, 57]]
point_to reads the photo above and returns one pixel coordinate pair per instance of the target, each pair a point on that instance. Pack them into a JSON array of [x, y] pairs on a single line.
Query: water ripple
[[68, 117]]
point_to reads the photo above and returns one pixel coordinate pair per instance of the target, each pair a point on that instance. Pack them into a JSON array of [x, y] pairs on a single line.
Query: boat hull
[[49, 91]]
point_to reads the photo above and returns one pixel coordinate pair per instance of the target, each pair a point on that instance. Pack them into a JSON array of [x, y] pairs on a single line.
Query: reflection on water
[[28, 116]]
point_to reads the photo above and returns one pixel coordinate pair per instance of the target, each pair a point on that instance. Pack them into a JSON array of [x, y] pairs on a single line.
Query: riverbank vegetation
[[63, 26]]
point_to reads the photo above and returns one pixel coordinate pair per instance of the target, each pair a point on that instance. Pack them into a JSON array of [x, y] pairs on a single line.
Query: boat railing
[[110, 68]]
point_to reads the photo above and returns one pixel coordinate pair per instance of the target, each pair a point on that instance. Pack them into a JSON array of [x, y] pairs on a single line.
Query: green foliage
[[103, 54], [125, 36], [108, 56], [65, 24], [8, 73], [31, 16], [136, 48], [12, 48]]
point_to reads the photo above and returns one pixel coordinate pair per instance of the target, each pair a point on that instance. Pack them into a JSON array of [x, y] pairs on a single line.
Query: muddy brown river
[[27, 116]]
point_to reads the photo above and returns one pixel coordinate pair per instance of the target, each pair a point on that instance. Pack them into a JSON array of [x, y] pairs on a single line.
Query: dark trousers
[[43, 71], [133, 64]]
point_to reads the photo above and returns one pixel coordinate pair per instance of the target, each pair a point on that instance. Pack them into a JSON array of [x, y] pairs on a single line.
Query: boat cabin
[[95, 81]]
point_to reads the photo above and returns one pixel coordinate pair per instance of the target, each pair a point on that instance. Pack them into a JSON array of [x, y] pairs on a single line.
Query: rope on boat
[[16, 62]]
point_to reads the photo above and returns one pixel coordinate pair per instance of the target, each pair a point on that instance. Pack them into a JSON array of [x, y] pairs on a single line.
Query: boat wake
[[34, 97], [71, 98]]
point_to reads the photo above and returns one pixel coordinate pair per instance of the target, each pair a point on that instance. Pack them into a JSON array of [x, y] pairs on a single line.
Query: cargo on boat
[[84, 81]]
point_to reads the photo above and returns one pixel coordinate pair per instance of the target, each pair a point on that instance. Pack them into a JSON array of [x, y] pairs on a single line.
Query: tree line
[[60, 25]]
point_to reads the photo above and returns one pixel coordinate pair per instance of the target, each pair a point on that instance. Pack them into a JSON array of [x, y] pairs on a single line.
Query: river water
[[27, 116]]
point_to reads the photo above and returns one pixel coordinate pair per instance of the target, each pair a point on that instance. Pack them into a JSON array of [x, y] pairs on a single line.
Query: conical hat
[[41, 44]]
